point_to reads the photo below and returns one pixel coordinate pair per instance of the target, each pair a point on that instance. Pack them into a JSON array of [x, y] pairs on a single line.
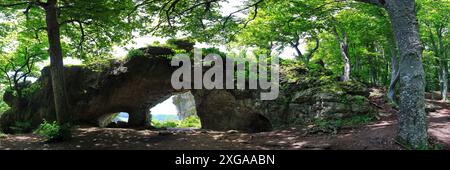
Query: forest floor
[[379, 134]]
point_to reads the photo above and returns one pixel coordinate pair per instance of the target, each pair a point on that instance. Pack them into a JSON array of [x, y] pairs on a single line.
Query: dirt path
[[377, 135]]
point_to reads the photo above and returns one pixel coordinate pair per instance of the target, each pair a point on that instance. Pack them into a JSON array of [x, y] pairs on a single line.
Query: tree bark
[[443, 65], [443, 78], [394, 74], [56, 62], [372, 65], [412, 118], [343, 47]]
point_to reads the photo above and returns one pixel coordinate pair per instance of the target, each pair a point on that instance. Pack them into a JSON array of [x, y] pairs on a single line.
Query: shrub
[[189, 122], [53, 132], [135, 53], [31, 89], [3, 106], [98, 64], [2, 135], [164, 124]]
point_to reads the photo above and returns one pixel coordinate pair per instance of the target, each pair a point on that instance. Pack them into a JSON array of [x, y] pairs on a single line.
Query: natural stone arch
[[132, 86], [138, 83]]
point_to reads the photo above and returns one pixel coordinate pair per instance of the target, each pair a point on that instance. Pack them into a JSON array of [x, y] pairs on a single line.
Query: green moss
[[97, 64], [332, 88], [430, 146], [135, 53], [332, 125], [31, 89], [359, 100]]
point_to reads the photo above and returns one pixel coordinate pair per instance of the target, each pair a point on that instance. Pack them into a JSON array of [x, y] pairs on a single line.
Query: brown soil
[[379, 134]]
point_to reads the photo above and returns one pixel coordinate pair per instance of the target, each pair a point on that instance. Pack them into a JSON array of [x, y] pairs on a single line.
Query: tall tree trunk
[[412, 118], [394, 74], [343, 47], [372, 64], [443, 78], [443, 65], [441, 60], [56, 62]]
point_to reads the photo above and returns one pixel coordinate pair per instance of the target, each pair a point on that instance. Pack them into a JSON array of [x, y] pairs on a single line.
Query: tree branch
[[13, 5], [255, 5]]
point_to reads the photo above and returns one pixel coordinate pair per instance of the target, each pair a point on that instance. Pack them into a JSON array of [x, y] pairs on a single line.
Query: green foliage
[[2, 135], [189, 122], [98, 64], [328, 125], [3, 105], [21, 127], [53, 132], [164, 124], [135, 53], [31, 89]]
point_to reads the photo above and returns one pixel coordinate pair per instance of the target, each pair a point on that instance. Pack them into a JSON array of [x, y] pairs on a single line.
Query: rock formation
[[140, 82], [133, 86], [185, 105]]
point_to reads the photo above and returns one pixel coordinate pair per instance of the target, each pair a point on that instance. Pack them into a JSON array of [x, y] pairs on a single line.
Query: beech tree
[[412, 127], [434, 17], [95, 24]]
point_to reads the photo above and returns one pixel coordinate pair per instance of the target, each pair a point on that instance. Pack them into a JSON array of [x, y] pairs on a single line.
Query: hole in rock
[[177, 112], [115, 120]]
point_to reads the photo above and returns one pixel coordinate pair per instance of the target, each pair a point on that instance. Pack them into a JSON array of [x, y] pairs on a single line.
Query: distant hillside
[[163, 118], [123, 117]]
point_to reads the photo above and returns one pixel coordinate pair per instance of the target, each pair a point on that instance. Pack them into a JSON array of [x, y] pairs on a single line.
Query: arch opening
[[114, 120], [178, 111]]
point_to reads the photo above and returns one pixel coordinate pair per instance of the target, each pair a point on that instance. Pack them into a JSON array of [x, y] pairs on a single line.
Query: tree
[[83, 22], [412, 117], [285, 24], [342, 39], [434, 17], [18, 66]]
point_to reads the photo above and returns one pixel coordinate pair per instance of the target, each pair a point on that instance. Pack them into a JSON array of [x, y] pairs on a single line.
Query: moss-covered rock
[[306, 95]]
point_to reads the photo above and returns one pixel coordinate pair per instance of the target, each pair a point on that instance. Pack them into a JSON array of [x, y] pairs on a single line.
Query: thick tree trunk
[[56, 63], [412, 118]]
